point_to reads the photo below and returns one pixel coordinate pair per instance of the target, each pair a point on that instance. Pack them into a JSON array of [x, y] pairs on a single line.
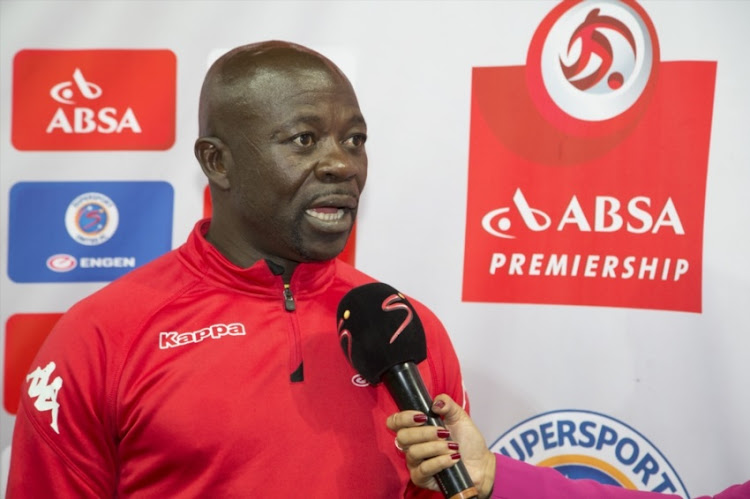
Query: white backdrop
[[681, 379]]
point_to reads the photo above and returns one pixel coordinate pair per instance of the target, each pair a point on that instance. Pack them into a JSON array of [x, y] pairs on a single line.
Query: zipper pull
[[288, 299]]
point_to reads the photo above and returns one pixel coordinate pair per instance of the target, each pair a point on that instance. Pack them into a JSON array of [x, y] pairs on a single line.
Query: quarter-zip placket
[[295, 342], [288, 299]]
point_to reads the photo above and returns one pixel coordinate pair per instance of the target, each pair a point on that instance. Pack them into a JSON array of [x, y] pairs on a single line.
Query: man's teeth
[[327, 217]]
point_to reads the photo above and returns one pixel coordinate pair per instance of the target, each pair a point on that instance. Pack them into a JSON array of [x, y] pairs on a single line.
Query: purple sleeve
[[517, 480], [739, 491]]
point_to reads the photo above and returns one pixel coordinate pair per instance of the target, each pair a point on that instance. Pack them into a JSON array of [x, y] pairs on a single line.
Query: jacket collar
[[203, 258]]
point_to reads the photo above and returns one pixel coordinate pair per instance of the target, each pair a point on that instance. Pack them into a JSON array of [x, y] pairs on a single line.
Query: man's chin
[[322, 256], [323, 252]]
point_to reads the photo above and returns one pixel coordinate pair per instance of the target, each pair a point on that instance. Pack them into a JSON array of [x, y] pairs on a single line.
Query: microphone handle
[[406, 387]]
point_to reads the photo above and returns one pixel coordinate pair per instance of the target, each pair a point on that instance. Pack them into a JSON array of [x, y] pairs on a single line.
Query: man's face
[[298, 164]]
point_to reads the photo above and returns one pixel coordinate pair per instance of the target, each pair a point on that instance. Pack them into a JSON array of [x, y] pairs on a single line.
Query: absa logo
[[84, 119], [94, 100], [587, 167], [638, 216]]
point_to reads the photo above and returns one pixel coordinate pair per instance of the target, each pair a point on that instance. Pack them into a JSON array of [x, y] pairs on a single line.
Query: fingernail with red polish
[[456, 456], [443, 433], [420, 418], [439, 404], [453, 445]]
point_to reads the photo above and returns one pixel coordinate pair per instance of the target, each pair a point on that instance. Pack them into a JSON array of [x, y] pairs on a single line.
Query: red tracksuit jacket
[[189, 377]]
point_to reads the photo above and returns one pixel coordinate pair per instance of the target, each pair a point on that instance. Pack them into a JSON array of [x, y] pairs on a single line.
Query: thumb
[[448, 409]]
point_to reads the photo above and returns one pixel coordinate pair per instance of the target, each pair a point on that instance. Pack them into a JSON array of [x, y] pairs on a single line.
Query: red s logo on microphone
[[394, 302], [344, 333]]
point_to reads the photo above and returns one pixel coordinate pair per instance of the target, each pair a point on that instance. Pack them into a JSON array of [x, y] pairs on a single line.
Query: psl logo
[[587, 167], [592, 63], [45, 391]]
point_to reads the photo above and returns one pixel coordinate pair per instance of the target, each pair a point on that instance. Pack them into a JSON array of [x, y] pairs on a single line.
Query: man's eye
[[357, 140], [304, 140]]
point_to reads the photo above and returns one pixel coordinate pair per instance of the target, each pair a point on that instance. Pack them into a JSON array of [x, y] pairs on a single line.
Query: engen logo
[[594, 446], [359, 381], [93, 100], [86, 231], [587, 167], [62, 262]]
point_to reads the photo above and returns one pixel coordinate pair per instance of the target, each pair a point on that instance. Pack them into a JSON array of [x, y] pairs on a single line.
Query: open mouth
[[333, 210], [327, 213]]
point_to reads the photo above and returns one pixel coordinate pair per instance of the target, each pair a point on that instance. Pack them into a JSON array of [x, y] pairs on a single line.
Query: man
[[215, 371], [494, 475]]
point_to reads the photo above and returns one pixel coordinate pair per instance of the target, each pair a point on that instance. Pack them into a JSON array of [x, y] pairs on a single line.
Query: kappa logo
[[93, 99], [45, 391], [589, 445], [173, 339]]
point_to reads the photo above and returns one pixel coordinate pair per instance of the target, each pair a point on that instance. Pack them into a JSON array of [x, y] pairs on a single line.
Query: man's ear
[[214, 157]]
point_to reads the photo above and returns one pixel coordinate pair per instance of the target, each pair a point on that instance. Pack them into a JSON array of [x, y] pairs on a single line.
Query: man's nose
[[337, 163]]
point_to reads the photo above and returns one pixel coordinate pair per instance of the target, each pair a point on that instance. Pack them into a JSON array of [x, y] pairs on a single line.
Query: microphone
[[383, 339]]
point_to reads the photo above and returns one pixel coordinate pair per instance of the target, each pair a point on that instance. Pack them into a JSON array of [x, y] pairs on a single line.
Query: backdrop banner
[[564, 184]]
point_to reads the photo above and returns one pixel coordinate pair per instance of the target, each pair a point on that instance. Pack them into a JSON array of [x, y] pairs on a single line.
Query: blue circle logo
[[589, 445], [91, 219]]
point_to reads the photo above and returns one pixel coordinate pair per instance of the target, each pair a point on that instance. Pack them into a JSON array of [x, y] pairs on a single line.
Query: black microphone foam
[[378, 329], [384, 340]]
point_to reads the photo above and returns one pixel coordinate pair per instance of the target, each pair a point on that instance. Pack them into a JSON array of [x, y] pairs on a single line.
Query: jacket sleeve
[[62, 440], [445, 372], [444, 367], [518, 480]]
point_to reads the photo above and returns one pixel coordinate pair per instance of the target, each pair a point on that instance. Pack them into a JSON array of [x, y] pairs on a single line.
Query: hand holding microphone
[[383, 339]]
